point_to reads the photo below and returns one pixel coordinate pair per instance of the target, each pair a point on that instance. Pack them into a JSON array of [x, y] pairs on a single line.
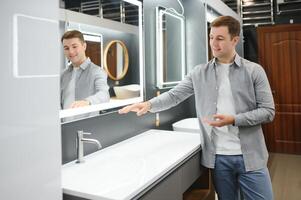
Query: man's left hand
[[220, 120]]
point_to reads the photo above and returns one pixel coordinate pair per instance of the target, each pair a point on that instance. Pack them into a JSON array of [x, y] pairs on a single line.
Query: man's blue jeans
[[230, 176]]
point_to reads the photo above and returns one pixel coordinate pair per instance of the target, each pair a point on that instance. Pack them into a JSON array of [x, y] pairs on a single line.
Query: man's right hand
[[139, 108]]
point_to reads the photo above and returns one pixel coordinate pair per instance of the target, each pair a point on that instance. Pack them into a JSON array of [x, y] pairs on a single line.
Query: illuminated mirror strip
[[159, 46]]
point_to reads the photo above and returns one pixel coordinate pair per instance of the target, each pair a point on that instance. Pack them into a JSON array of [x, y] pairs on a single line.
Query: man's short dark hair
[[228, 21], [73, 34]]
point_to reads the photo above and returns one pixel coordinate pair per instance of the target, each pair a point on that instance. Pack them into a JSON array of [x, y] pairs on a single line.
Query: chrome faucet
[[80, 145]]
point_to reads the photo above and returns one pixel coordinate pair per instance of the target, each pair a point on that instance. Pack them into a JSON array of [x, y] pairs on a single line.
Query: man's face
[[221, 43], [74, 50]]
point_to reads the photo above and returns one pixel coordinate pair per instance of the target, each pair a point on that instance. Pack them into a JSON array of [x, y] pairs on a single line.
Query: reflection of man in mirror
[[83, 83]]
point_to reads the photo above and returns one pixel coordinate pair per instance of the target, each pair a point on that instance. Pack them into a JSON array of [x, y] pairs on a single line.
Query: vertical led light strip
[[158, 49], [183, 49], [159, 45]]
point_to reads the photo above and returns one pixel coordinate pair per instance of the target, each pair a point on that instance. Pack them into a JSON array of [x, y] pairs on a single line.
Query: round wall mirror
[[116, 59]]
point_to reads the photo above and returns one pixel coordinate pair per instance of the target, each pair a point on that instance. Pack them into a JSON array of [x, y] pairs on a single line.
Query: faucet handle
[[81, 133]]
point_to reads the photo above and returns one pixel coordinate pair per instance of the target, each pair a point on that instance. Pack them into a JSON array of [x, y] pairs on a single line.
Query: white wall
[[30, 146]]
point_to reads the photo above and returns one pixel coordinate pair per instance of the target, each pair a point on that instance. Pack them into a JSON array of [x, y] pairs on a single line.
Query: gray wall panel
[[196, 41], [30, 129]]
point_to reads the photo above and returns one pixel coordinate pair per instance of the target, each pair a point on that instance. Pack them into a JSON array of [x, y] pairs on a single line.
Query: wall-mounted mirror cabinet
[[117, 49], [170, 47]]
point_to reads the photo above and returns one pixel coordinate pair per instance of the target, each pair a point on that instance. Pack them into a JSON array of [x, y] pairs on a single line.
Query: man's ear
[[85, 45], [236, 39]]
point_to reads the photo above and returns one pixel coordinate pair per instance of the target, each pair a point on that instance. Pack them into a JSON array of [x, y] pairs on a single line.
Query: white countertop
[[125, 169]]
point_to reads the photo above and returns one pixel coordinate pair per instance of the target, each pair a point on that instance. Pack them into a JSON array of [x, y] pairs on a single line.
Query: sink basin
[[124, 170], [102, 174], [127, 91], [190, 125]]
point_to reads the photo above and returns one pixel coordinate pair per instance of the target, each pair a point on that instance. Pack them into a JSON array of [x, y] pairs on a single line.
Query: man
[[233, 98], [83, 83]]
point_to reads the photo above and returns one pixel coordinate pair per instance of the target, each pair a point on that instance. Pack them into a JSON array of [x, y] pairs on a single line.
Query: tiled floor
[[285, 171]]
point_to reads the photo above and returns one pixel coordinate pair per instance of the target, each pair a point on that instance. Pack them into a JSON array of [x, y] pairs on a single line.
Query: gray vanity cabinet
[[168, 189], [175, 184], [190, 171]]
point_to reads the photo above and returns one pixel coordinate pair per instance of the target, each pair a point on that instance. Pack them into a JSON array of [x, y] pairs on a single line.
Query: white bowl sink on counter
[[125, 169], [127, 91]]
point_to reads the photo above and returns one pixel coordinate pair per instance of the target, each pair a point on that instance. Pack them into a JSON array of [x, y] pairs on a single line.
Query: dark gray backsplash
[[113, 128]]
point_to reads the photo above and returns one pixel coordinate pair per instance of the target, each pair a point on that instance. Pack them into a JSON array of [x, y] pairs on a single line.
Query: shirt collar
[[83, 66], [237, 61]]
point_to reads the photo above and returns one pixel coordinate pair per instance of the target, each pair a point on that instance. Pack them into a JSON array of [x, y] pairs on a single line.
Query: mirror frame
[[126, 59], [159, 47]]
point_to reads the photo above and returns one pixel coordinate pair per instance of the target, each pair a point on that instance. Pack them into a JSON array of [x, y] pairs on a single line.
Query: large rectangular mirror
[[116, 49], [170, 47]]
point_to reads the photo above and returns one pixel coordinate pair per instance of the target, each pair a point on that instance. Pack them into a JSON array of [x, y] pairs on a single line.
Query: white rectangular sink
[[125, 169]]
